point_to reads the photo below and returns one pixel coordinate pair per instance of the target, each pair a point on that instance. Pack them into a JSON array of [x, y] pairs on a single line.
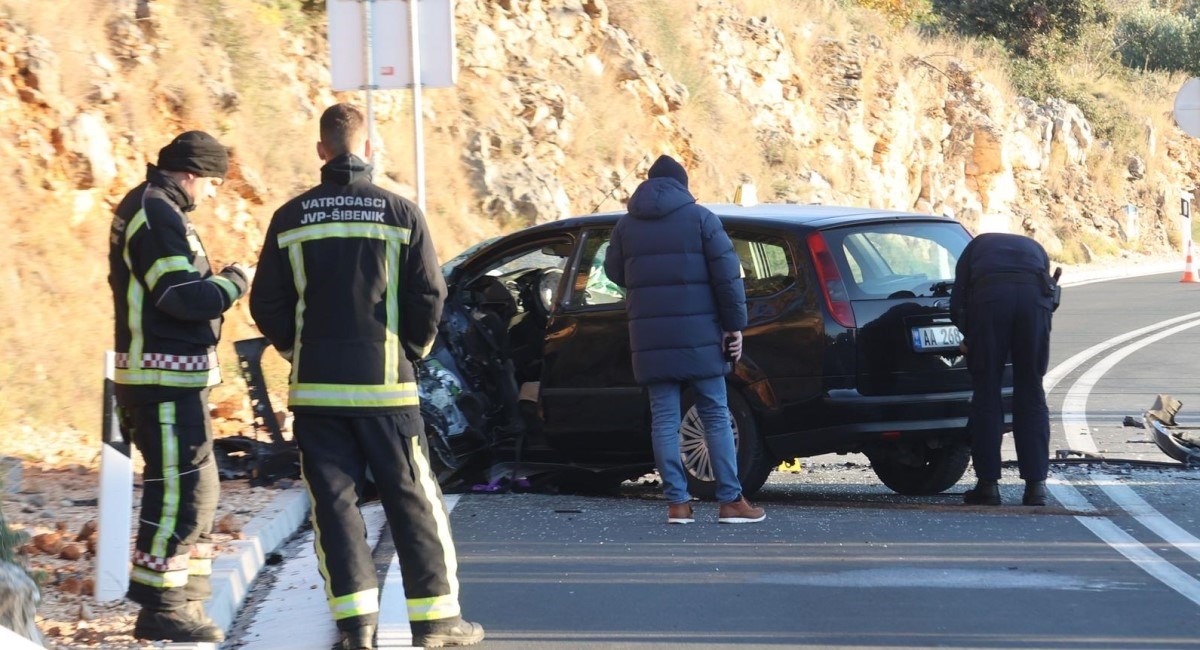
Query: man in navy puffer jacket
[[684, 299]]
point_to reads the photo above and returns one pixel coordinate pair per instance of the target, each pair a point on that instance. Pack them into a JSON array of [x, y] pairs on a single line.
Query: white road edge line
[[1145, 559], [1074, 409], [1067, 367], [393, 630], [1074, 418]]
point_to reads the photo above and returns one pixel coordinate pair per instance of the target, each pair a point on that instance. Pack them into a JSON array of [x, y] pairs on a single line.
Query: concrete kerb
[[1087, 274], [234, 573]]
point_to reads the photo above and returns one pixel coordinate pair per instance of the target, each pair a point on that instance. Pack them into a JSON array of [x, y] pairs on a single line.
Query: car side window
[[592, 285], [767, 266]]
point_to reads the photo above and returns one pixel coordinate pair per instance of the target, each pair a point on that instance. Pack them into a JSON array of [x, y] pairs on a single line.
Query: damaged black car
[[849, 348]]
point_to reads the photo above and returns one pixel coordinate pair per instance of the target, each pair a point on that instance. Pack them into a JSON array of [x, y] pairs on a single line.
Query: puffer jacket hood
[[658, 197], [683, 283]]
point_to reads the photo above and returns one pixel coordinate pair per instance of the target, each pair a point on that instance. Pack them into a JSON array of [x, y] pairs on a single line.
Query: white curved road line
[[1067, 367], [1074, 419], [1074, 407], [1145, 559]]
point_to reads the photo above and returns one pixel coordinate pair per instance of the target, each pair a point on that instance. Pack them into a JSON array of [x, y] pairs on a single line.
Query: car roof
[[813, 216]]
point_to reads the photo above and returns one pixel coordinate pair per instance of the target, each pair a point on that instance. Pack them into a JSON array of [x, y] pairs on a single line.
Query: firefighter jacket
[[167, 301], [348, 287]]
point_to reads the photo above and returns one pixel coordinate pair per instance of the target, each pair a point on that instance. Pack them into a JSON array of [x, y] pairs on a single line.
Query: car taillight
[[832, 287]]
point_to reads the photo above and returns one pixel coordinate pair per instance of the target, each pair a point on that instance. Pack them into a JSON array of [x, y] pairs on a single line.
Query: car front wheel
[[754, 464], [916, 469]]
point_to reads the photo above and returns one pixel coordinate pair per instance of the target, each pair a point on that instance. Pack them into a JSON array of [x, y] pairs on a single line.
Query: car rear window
[[897, 259]]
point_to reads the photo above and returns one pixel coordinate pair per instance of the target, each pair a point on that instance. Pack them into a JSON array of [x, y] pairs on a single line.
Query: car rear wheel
[[754, 464], [916, 469]]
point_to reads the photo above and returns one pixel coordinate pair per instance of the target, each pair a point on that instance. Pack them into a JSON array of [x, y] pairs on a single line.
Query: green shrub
[[1027, 27], [1110, 117], [1150, 38]]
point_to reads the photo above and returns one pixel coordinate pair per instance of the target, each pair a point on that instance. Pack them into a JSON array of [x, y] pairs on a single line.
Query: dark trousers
[[1009, 319], [335, 454], [172, 559]]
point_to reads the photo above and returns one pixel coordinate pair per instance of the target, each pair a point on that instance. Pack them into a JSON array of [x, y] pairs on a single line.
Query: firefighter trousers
[[173, 552], [335, 455]]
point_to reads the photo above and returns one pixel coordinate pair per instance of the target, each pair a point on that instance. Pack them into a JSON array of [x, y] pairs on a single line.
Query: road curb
[[234, 573], [1077, 275]]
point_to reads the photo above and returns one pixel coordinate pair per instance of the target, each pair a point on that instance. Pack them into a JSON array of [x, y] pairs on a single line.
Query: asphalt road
[[841, 562]]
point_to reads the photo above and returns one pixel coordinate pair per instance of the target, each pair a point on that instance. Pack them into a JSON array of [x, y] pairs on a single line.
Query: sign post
[[360, 61]]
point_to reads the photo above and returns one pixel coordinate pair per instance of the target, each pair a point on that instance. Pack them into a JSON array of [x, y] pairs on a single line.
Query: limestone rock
[[19, 597]]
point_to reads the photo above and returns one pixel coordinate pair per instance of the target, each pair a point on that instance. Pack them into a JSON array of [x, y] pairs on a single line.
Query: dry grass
[[71, 28]]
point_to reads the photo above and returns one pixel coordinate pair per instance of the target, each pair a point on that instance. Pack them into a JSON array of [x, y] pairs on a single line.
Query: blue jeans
[[718, 434]]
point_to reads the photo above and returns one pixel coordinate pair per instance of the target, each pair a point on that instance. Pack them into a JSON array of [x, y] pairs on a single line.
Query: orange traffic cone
[[1189, 269]]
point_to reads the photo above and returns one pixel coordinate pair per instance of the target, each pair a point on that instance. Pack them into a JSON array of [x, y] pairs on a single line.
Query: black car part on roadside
[[263, 461]]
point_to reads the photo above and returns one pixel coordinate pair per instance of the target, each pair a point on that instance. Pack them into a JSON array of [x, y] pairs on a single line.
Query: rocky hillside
[[559, 109]]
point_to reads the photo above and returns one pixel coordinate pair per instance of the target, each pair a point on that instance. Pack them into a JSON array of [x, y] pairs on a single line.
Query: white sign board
[[391, 54], [1187, 107]]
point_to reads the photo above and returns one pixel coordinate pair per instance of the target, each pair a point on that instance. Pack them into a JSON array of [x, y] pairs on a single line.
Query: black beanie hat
[[196, 152], [666, 166]]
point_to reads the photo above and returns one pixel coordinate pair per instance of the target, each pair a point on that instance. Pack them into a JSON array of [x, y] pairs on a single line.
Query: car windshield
[[898, 259], [453, 262]]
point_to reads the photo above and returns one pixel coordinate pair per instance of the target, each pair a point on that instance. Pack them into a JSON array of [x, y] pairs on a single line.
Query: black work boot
[[985, 493], [1035, 493], [179, 626], [445, 632], [195, 610], [361, 637]]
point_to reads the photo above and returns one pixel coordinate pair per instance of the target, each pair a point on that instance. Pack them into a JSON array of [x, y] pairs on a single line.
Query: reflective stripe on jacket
[[167, 301], [348, 287]]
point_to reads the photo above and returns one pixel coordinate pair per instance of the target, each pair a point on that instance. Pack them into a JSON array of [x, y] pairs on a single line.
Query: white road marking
[[1067, 367], [1074, 409], [1144, 558], [907, 577], [1152, 519], [1075, 426]]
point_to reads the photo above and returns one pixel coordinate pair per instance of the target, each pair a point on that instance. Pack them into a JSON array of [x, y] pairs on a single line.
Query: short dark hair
[[342, 127]]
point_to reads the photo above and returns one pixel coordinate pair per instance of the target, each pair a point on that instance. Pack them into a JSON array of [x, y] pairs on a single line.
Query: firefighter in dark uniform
[[1002, 301], [168, 306], [348, 288]]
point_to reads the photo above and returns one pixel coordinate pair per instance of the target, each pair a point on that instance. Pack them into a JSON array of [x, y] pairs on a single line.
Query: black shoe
[[1035, 493], [357, 638], [985, 493], [179, 626], [445, 632]]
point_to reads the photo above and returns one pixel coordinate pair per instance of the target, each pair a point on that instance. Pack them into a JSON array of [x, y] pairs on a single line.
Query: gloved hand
[[240, 275]]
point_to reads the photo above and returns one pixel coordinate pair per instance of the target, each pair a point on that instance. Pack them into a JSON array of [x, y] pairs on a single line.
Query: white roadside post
[[1186, 112], [1185, 219], [360, 61], [115, 500]]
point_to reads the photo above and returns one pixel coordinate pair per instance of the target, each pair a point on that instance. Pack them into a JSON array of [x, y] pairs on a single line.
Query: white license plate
[[936, 337]]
